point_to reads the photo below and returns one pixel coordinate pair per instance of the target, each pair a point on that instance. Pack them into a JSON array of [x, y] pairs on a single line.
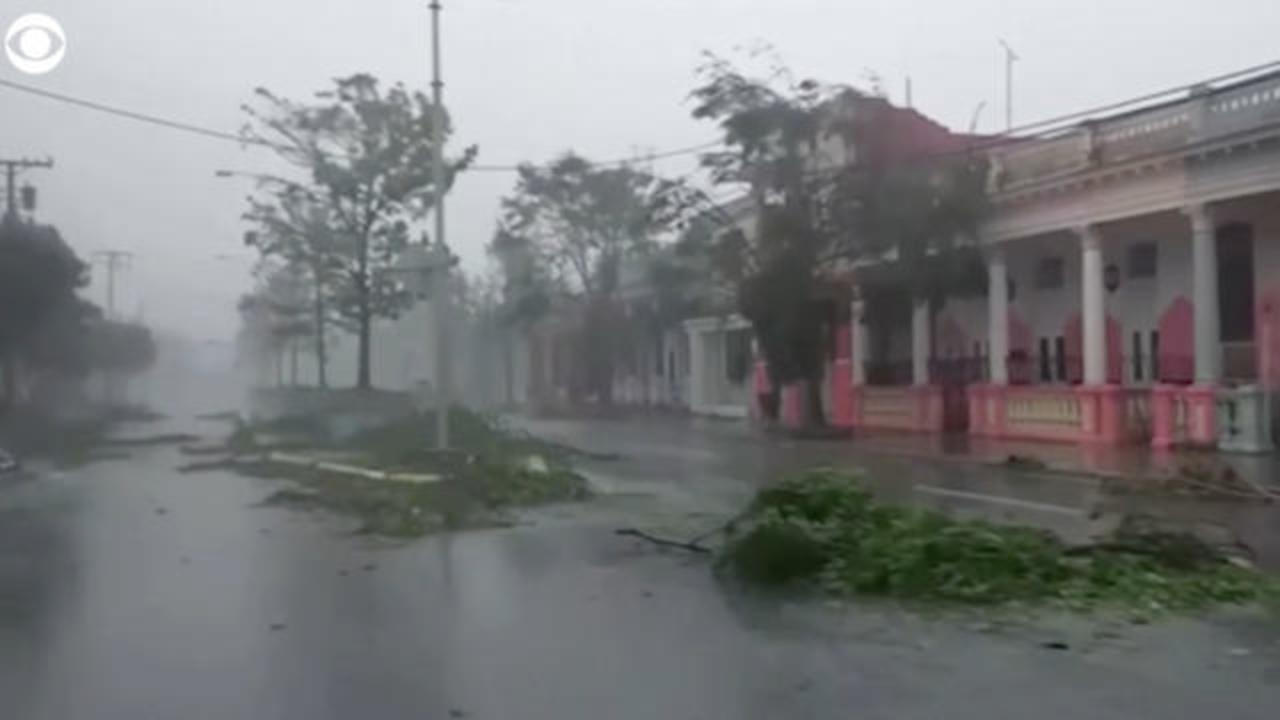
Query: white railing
[[1043, 408], [1203, 115], [1144, 134], [887, 403], [1037, 160], [1243, 108]]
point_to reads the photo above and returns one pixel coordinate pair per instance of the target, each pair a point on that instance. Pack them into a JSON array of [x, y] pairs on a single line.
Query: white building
[[1133, 286]]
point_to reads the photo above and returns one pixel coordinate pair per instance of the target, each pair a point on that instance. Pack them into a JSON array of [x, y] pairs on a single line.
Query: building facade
[[1133, 296]]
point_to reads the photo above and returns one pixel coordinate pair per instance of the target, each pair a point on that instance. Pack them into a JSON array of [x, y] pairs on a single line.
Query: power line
[[1041, 127], [618, 161], [134, 115], [241, 140]]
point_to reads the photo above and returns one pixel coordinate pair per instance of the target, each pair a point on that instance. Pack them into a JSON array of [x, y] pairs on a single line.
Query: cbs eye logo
[[35, 43]]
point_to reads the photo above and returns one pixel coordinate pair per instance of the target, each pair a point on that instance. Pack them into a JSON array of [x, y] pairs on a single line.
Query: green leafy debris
[[822, 528], [489, 471]]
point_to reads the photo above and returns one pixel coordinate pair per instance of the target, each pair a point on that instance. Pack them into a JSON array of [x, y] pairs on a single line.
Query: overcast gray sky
[[526, 79]]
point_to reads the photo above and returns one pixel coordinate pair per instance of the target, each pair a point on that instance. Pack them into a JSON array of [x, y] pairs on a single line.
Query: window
[[1155, 355], [1060, 357], [1235, 283], [1142, 260], [1045, 376], [1049, 273]]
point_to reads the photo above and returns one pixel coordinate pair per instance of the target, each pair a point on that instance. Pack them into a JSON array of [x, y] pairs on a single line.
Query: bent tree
[[829, 183], [368, 154], [774, 130], [566, 230]]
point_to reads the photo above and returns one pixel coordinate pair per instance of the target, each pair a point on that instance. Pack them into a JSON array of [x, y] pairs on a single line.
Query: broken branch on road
[[663, 542]]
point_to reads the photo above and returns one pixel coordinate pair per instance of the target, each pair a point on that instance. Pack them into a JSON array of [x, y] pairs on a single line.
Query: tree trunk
[[817, 418], [322, 358], [508, 370], [293, 363], [363, 380]]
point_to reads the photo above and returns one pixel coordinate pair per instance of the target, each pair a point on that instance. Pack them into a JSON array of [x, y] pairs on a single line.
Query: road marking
[[1003, 500]]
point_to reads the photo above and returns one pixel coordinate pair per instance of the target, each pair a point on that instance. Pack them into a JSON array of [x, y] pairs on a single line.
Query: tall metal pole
[[1009, 58], [441, 284], [114, 260]]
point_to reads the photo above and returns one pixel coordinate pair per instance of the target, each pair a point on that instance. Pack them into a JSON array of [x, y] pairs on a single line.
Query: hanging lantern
[[1111, 277]]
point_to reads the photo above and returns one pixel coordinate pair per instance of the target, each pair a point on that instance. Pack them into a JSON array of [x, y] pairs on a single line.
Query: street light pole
[[441, 286]]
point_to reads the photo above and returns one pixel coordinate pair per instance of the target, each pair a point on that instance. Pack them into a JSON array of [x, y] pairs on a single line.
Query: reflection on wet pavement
[[219, 609]]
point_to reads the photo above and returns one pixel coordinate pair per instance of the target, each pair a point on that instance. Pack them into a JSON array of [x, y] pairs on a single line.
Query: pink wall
[[794, 401], [1177, 342]]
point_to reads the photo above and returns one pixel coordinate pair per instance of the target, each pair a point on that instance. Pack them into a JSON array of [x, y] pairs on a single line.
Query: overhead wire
[[1015, 134], [243, 140]]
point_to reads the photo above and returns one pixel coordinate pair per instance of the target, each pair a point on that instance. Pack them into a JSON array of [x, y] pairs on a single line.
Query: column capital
[[1201, 216], [1090, 236], [994, 253]]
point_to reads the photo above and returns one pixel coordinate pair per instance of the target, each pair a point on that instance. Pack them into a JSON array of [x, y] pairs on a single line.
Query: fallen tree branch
[[663, 542]]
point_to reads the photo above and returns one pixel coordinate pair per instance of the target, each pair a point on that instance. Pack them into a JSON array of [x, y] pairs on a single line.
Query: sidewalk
[[1127, 461], [691, 465]]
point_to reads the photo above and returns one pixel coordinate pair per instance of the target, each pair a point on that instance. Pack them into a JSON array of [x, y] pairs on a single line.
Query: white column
[[920, 342], [998, 317], [858, 339], [1204, 289], [697, 369], [1093, 309]]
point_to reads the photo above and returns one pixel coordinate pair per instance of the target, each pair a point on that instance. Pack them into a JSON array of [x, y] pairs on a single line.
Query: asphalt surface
[[129, 591]]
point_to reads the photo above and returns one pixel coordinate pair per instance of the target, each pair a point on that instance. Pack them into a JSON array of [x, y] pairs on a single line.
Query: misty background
[[525, 81]]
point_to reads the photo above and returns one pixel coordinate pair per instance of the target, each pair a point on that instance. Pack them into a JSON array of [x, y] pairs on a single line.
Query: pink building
[[1133, 296]]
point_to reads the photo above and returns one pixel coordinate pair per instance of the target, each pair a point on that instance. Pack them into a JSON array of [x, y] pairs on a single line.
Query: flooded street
[[130, 591]]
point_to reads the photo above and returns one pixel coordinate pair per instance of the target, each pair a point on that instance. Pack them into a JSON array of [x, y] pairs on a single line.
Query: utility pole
[[1009, 58], [11, 168], [113, 260], [441, 286]]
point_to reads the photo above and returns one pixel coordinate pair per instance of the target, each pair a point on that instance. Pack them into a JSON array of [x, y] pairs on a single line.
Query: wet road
[[128, 591]]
